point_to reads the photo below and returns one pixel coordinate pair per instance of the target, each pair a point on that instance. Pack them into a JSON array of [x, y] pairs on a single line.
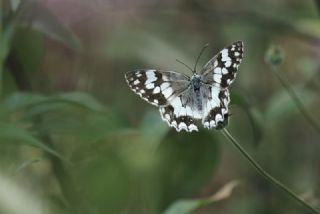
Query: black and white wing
[[215, 110], [181, 101], [157, 87], [170, 91], [217, 75], [182, 111], [221, 70]]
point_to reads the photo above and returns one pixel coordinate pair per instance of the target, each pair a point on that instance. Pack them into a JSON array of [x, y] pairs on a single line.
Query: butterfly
[[182, 99]]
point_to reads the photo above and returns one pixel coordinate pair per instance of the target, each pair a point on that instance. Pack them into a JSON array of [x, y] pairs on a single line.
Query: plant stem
[[284, 82], [266, 175], [317, 2], [1, 52]]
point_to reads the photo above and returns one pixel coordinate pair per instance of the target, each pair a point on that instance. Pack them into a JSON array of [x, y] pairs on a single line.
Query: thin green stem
[[266, 175], [285, 83], [1, 52]]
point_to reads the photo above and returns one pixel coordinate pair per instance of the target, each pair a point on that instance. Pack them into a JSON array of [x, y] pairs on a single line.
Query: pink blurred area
[[74, 11]]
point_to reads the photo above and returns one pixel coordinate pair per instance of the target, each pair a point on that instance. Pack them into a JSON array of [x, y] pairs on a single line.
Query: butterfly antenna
[[185, 65], [202, 50]]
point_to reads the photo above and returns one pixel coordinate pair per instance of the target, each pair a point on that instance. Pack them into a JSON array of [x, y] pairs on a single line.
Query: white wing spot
[[176, 103], [151, 77], [163, 86], [156, 101], [156, 90], [225, 71], [165, 78], [217, 78], [206, 124], [217, 70], [167, 92], [224, 111], [224, 53], [227, 64], [225, 58], [136, 82], [182, 125], [218, 117], [174, 123], [193, 127], [150, 86], [167, 116]]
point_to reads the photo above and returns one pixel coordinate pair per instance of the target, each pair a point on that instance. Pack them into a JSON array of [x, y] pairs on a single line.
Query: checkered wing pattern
[[218, 74], [182, 111], [157, 87], [222, 69], [183, 100]]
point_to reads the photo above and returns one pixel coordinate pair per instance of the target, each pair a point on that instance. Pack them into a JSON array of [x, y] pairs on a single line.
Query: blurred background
[[75, 139]]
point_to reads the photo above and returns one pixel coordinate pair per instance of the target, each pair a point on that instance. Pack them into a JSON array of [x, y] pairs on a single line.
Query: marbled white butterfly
[[183, 99]]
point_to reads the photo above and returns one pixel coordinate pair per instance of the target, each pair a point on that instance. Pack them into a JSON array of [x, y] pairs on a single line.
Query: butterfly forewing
[[157, 87], [221, 70]]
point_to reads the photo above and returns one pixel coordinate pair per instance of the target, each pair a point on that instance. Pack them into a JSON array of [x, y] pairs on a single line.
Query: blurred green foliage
[[75, 139]]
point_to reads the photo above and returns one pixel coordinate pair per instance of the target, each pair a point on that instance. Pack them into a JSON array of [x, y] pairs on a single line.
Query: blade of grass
[[285, 83], [266, 175], [1, 54]]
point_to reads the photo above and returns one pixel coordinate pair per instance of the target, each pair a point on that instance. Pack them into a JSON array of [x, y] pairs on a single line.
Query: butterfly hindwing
[[156, 87], [182, 112], [221, 70], [183, 122], [215, 114]]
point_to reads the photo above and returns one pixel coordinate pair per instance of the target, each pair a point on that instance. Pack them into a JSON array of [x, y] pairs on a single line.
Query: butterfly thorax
[[196, 82], [196, 85]]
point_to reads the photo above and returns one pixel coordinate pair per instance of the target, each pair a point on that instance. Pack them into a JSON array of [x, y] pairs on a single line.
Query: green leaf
[[188, 206], [46, 22], [41, 104], [6, 37], [82, 99], [26, 163], [28, 48], [181, 154], [13, 133]]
